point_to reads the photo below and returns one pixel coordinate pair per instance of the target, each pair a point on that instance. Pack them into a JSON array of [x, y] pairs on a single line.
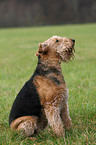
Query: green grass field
[[18, 62]]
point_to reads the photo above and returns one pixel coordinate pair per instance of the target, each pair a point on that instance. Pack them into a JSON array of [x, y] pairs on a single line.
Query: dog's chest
[[50, 90]]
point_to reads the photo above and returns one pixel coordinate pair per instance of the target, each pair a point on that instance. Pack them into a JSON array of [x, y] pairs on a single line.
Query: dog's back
[[27, 102]]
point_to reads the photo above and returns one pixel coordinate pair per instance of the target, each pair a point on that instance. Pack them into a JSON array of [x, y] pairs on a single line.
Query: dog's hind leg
[[27, 124]]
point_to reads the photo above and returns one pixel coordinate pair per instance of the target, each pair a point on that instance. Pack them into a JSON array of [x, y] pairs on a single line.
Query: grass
[[17, 63]]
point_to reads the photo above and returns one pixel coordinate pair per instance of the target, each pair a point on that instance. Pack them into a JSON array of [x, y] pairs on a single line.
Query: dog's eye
[[57, 40]]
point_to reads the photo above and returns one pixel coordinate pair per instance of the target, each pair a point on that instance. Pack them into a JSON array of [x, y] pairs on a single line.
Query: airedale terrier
[[43, 98]]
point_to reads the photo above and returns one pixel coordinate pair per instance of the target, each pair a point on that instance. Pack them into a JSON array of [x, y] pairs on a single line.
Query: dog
[[43, 99]]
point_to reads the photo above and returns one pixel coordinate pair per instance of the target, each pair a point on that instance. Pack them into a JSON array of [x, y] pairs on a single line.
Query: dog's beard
[[66, 53]]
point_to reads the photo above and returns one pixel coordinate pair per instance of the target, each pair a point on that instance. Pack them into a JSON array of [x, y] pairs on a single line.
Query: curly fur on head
[[63, 46]]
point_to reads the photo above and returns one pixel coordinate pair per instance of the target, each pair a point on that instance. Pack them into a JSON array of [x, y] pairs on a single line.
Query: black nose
[[73, 40]]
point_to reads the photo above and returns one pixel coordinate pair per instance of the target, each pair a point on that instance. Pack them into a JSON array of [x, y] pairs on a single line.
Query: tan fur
[[48, 90], [27, 124], [53, 96], [59, 49]]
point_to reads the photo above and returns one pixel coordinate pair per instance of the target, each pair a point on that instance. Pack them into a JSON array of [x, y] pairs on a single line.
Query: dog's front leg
[[65, 116], [54, 119]]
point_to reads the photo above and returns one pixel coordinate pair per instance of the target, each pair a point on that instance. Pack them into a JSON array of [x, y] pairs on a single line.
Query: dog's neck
[[49, 68], [53, 62]]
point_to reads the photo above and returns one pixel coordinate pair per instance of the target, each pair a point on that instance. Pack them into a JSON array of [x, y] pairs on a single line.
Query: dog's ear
[[43, 49]]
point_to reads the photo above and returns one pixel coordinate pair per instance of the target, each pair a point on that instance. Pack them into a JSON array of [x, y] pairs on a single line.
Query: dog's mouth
[[67, 52]]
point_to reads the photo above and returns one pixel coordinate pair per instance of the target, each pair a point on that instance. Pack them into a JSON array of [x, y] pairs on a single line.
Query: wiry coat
[[44, 96]]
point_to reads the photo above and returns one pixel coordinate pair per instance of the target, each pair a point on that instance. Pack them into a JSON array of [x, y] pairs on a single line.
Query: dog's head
[[57, 47]]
